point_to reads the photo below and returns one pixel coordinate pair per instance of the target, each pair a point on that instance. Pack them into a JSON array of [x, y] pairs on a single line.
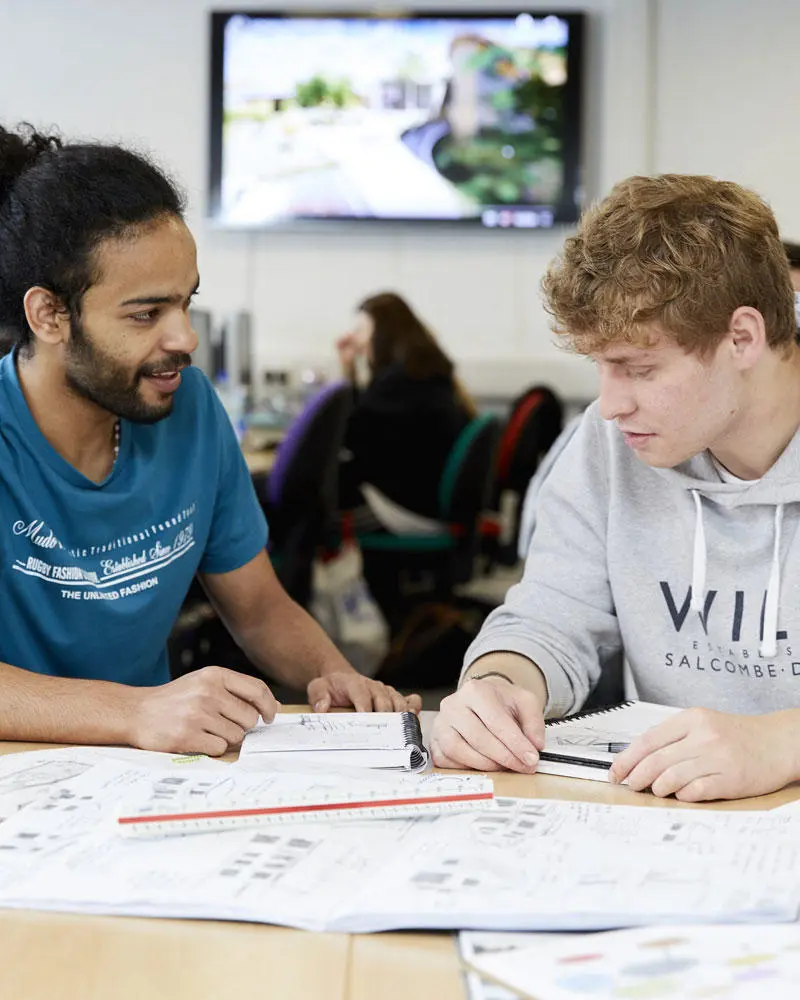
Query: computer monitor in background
[[237, 348], [202, 325], [224, 348]]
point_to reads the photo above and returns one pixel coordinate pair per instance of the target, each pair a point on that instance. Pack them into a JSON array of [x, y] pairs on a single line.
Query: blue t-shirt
[[92, 575]]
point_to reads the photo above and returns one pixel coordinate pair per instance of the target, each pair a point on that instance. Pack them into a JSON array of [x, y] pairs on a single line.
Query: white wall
[[689, 85], [728, 97]]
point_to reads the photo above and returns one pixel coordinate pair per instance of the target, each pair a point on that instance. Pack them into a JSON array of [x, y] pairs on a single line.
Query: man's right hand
[[489, 725], [207, 711]]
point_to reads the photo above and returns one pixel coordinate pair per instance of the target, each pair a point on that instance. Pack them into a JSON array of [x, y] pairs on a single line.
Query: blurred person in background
[[405, 421]]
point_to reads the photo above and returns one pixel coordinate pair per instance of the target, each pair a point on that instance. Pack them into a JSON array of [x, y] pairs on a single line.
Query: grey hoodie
[[697, 579]]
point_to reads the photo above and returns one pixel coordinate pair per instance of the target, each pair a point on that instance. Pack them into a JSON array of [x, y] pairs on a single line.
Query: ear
[[46, 315], [747, 336]]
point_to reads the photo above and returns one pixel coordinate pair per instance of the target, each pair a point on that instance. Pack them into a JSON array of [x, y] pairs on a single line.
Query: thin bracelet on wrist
[[490, 673]]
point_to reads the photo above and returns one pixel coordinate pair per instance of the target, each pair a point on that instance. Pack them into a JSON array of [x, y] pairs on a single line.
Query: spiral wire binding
[[412, 731], [588, 715]]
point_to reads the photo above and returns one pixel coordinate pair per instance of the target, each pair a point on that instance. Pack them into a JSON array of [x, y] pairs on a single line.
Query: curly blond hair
[[675, 254]]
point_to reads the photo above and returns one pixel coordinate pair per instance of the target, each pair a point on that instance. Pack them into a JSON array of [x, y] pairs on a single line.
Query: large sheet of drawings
[[526, 865]]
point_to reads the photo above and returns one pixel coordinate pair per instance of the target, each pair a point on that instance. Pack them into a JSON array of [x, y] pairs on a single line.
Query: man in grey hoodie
[[668, 527]]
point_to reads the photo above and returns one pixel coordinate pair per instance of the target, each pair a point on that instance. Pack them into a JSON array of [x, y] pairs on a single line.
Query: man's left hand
[[700, 754], [345, 688]]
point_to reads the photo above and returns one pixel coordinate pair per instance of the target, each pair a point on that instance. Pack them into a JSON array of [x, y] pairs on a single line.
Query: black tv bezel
[[566, 212]]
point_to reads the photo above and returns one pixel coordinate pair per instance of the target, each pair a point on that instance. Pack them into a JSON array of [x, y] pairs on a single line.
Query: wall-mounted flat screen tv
[[470, 118]]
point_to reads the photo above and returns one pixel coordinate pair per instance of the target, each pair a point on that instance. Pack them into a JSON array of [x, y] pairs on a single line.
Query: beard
[[97, 377]]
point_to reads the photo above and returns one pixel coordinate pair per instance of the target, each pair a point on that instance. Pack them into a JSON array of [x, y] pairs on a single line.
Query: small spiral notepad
[[585, 745], [352, 739]]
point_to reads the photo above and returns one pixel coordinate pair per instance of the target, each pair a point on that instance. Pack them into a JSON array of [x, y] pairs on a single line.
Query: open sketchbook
[[521, 865], [585, 745], [727, 963], [352, 739]]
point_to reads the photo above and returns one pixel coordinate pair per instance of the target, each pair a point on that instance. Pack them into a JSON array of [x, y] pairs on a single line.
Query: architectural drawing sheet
[[549, 865], [525, 865], [25, 777]]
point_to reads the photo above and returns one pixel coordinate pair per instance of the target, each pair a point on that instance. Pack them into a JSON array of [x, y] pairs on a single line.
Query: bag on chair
[[342, 604]]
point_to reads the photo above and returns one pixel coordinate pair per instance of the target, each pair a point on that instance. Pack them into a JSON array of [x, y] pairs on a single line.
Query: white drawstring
[[699, 559], [769, 643]]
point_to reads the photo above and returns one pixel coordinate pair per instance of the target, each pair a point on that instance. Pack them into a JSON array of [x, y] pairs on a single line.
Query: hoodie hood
[[779, 485]]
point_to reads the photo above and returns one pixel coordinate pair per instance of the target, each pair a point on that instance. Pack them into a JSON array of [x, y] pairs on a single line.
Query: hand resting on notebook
[[491, 723], [701, 754], [209, 711], [342, 689], [495, 721], [206, 711]]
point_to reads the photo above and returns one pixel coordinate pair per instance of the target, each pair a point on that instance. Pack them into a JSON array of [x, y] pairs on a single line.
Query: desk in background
[[259, 463], [259, 447], [75, 957]]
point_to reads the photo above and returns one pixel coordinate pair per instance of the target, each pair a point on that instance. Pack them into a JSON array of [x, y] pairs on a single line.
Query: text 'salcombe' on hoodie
[[695, 578]]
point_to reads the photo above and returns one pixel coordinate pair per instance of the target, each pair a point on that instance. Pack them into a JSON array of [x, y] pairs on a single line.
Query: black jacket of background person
[[399, 435]]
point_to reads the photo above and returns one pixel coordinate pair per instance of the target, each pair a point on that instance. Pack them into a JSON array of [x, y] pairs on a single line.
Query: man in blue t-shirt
[[121, 478]]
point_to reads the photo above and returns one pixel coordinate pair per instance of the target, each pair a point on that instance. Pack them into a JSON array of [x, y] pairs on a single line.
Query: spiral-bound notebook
[[585, 745], [352, 739]]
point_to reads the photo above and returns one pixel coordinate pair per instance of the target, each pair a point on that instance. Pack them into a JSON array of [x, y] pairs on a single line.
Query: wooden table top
[[51, 956]]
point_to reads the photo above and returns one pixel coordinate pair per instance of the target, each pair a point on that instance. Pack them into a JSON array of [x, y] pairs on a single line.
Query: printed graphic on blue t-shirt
[[94, 574]]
